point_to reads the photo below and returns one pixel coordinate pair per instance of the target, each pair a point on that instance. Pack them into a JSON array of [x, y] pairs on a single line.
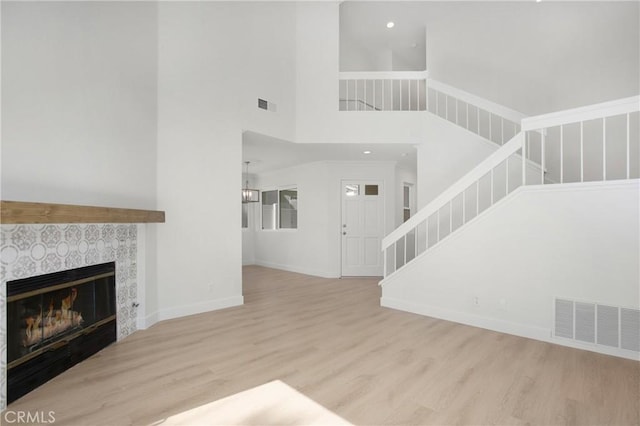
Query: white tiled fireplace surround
[[36, 249]]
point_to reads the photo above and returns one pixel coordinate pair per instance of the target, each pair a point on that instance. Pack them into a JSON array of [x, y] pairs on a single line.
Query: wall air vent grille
[[586, 322], [602, 325], [608, 326], [564, 318], [630, 329]]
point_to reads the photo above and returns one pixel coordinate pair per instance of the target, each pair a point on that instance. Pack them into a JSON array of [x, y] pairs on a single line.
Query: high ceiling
[[366, 44], [532, 57], [529, 56]]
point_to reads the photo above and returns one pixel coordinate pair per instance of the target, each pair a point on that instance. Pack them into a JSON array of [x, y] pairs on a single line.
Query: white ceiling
[[266, 153], [366, 44], [532, 57]]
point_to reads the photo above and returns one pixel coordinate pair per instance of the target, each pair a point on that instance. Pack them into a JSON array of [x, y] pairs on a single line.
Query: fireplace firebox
[[55, 321]]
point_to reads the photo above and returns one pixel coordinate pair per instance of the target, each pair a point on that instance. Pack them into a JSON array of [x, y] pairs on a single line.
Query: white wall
[[565, 241], [253, 215], [79, 103], [215, 60], [305, 249], [317, 117], [79, 109], [143, 105], [538, 58], [533, 57], [448, 153], [558, 58], [315, 247], [248, 242], [355, 57]]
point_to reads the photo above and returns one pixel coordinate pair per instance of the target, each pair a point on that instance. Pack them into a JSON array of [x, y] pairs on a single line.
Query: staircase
[[594, 143], [538, 240]]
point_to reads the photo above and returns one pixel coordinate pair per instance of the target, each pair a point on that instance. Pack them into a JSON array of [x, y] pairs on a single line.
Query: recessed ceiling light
[[390, 24], [366, 152]]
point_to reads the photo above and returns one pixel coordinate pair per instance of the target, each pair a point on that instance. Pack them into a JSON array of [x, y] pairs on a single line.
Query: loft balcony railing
[[414, 91], [382, 91]]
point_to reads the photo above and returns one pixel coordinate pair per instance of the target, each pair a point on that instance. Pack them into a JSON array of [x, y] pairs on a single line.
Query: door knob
[[344, 233]]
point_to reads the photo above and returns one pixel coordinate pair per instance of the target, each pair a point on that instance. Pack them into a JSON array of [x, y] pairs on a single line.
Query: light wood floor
[[331, 341]]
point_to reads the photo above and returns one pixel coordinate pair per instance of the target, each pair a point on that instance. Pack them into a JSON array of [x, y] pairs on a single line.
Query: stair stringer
[[577, 241]]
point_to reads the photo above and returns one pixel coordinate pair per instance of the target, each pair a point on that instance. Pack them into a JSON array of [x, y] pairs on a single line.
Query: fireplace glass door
[[39, 319]]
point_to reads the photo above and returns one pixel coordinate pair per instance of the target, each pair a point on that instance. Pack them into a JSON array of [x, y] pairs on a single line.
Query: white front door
[[362, 228]]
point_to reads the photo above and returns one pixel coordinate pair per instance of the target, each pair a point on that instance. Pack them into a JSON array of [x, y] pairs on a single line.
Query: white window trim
[[276, 188]]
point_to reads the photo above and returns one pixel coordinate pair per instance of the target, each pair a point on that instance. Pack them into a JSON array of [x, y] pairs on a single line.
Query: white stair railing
[[492, 121], [594, 143], [610, 130], [479, 189]]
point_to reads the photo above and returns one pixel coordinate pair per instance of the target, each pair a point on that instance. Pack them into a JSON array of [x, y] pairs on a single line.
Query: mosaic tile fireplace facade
[[31, 250]]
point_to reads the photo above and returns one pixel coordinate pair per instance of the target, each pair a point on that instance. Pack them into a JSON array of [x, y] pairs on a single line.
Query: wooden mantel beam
[[14, 212]]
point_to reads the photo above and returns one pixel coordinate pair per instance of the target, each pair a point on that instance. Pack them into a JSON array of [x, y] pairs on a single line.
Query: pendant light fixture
[[249, 195]]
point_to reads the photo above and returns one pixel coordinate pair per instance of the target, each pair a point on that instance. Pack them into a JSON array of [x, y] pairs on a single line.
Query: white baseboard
[[198, 308], [501, 326], [621, 353], [186, 310], [142, 323], [468, 319], [297, 269]]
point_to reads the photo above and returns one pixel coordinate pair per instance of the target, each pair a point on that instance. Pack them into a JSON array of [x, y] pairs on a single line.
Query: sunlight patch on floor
[[274, 403]]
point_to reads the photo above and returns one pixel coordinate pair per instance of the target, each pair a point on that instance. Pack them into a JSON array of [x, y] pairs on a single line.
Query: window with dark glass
[[280, 209], [269, 209], [406, 203], [289, 209]]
